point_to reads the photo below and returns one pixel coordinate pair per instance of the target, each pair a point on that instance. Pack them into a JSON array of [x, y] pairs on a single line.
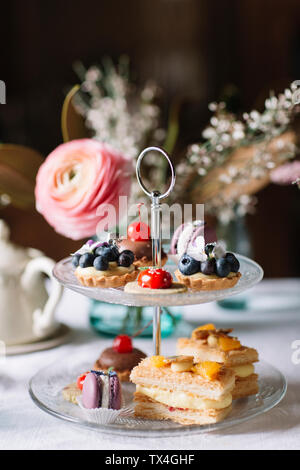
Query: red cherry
[[122, 344], [155, 278], [80, 380], [138, 231]]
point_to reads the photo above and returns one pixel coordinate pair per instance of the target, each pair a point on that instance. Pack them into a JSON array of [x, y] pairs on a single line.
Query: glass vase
[[111, 320], [237, 239]]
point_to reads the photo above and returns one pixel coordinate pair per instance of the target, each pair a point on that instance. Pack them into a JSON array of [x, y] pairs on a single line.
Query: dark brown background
[[198, 50]]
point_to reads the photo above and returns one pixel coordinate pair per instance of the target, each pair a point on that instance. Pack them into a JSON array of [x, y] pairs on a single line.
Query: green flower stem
[[173, 126], [79, 69], [138, 317], [173, 318], [126, 320], [171, 137], [135, 315]]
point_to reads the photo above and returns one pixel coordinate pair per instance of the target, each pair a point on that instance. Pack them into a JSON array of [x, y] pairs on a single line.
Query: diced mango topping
[[208, 326], [157, 361], [207, 369], [227, 344]]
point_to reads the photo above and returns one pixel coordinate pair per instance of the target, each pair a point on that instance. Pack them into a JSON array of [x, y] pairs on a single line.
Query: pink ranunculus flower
[[75, 180]]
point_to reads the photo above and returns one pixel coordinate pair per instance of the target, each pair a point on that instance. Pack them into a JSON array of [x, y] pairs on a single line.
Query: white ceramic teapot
[[26, 309]]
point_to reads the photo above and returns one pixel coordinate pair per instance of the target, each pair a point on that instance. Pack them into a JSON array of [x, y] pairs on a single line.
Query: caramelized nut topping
[[177, 359], [202, 331], [216, 337], [202, 334], [212, 341], [169, 359], [224, 331], [182, 364]]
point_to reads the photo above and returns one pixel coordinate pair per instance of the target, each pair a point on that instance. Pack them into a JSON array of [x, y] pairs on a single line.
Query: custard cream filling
[[210, 276], [244, 370], [183, 399], [113, 270]]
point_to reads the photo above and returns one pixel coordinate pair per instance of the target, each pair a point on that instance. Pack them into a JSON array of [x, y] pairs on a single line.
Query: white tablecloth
[[272, 332]]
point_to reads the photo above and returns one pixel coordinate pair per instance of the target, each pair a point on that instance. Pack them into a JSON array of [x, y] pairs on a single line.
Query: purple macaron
[[115, 395], [92, 391], [200, 229], [101, 389]]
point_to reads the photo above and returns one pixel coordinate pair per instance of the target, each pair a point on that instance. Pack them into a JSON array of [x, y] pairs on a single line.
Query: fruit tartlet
[[100, 264], [122, 357], [208, 267], [140, 243], [154, 281], [207, 343], [181, 390]]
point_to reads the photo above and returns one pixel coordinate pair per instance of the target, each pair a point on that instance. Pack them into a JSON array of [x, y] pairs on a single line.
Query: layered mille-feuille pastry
[[178, 389], [210, 344]]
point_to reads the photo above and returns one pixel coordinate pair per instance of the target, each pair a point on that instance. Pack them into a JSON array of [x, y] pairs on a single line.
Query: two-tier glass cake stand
[[46, 386]]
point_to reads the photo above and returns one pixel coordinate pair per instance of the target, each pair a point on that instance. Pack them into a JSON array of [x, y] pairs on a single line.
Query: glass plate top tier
[[251, 272], [46, 391]]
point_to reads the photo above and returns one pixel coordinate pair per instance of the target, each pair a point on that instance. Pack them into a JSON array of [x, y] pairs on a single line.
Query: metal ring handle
[[138, 172]]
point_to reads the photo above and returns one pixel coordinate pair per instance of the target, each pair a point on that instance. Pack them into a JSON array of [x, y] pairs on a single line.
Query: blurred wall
[[196, 49]]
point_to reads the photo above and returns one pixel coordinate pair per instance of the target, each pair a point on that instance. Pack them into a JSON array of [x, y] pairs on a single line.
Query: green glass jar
[[112, 320]]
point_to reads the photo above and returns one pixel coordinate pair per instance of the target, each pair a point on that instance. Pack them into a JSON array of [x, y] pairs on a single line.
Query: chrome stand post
[[156, 330], [156, 235]]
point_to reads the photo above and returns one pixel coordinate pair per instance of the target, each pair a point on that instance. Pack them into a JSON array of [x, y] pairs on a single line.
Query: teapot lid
[[13, 258]]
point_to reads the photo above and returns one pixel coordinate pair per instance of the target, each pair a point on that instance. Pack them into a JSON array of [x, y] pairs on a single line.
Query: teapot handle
[[43, 318]]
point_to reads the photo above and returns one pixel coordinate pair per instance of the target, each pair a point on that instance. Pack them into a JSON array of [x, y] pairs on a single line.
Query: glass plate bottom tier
[[45, 390], [251, 272]]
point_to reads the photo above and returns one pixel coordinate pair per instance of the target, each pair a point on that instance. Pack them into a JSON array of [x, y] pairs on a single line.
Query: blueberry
[[208, 266], [102, 249], [75, 260], [129, 253], [100, 245], [86, 260], [115, 252], [188, 265], [233, 261], [124, 260], [223, 267], [101, 263], [209, 248], [110, 252]]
